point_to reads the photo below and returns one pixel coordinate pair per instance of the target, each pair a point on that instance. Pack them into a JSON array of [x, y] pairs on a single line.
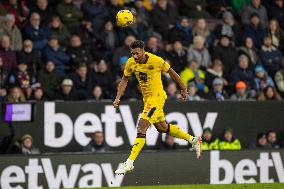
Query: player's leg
[[139, 142], [175, 131]]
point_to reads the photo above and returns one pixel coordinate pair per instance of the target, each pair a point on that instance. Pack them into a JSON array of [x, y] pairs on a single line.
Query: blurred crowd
[[73, 50]]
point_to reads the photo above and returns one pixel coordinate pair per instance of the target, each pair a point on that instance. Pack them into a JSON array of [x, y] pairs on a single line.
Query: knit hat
[[217, 81], [227, 14], [261, 135], [241, 85], [67, 82], [259, 68], [207, 129], [27, 136]]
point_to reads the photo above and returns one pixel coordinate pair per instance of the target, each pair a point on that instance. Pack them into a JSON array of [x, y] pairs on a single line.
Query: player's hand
[[184, 94], [116, 103]]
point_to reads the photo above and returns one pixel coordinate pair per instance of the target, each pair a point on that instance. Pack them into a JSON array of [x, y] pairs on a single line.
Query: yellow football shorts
[[154, 109]]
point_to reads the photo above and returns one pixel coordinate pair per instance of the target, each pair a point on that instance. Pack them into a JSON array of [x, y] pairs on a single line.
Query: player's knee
[[163, 128]]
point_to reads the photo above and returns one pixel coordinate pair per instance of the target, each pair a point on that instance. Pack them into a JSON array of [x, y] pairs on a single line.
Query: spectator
[[104, 79], [78, 52], [276, 10], [255, 30], [194, 9], [82, 81], [44, 10], [201, 29], [229, 142], [279, 79], [113, 7], [142, 12], [49, 80], [270, 56], [269, 94], [23, 79], [193, 96], [30, 56], [193, 73], [67, 92], [238, 5], [218, 93], [215, 71], [166, 12], [27, 146], [168, 144], [97, 93], [70, 15], [95, 11], [178, 57], [97, 143], [9, 28], [7, 55], [227, 53], [261, 79], [3, 81], [209, 142], [16, 95], [229, 28], [37, 32], [255, 8], [123, 50], [199, 52], [18, 8], [272, 139], [261, 142], [277, 35], [110, 39], [53, 51], [172, 91], [250, 51], [153, 47], [38, 94], [243, 73], [58, 29], [241, 93], [182, 32]]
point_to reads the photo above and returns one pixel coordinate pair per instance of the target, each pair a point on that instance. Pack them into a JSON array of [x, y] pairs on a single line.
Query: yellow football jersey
[[148, 74]]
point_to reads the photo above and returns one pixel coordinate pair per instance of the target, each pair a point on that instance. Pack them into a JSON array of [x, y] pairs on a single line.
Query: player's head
[[137, 50]]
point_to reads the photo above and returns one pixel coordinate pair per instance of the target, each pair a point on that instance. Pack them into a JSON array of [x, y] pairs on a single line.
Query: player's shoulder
[[154, 58]]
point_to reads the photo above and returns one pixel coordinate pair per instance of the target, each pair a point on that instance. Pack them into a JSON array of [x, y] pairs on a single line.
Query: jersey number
[[143, 77]]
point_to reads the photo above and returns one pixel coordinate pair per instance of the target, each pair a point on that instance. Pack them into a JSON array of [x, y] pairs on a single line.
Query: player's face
[[138, 54]]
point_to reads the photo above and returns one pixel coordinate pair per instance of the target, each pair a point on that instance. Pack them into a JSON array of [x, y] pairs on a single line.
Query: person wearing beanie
[[261, 142], [241, 93], [217, 93], [229, 142], [27, 146], [193, 95], [209, 141], [262, 79]]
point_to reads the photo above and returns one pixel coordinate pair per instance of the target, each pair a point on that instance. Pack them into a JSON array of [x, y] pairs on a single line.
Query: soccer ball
[[124, 18]]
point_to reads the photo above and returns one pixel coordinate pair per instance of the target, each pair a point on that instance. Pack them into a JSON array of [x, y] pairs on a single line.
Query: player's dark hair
[[137, 44]]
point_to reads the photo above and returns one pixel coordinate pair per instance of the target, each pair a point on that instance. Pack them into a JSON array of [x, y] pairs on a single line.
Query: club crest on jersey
[[151, 67], [143, 77]]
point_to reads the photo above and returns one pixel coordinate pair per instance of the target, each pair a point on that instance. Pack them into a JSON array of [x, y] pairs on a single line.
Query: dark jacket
[[59, 57], [257, 34], [38, 36], [9, 59], [228, 56], [50, 82], [79, 55], [178, 60], [212, 95], [72, 96], [32, 59], [188, 8], [179, 33], [239, 74], [82, 88], [271, 59], [93, 147], [275, 11], [106, 81], [62, 35]]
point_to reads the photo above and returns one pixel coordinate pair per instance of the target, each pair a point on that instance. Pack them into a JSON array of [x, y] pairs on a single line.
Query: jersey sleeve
[[165, 66], [127, 70]]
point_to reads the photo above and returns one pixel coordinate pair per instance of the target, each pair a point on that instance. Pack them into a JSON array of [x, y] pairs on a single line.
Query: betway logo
[[89, 122], [84, 176], [246, 170]]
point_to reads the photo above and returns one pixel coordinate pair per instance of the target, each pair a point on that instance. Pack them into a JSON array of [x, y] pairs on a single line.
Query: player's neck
[[145, 59]]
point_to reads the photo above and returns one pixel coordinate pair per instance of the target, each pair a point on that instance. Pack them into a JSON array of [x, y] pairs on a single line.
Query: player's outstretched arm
[[120, 90], [177, 79]]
